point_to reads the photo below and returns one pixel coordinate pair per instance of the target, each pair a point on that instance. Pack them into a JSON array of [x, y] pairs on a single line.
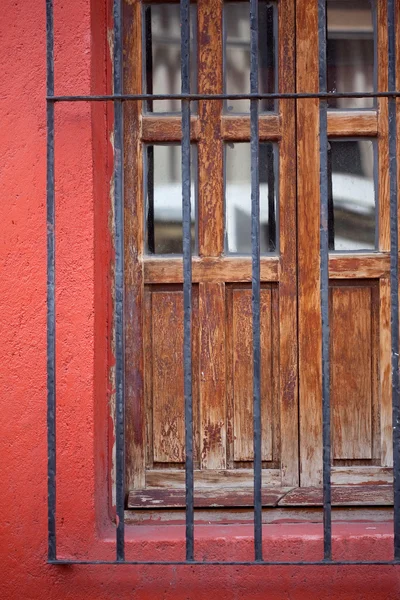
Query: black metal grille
[[118, 98]]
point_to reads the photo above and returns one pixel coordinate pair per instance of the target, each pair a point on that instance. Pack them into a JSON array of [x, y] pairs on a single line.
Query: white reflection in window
[[351, 51], [162, 56], [238, 198], [237, 53], [353, 222], [163, 210]]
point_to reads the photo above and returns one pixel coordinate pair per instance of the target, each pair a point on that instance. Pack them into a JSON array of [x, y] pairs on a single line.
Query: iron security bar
[[119, 284], [324, 277], [187, 278], [51, 320], [250, 96], [394, 272], [118, 98], [255, 278], [271, 563]]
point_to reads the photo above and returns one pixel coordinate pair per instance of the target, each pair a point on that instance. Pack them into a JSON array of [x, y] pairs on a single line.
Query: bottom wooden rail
[[350, 495]]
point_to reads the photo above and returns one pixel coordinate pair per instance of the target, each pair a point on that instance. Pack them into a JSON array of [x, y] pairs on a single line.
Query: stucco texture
[[83, 256]]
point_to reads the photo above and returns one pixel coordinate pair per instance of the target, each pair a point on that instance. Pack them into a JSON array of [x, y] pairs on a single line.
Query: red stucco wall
[[84, 528]]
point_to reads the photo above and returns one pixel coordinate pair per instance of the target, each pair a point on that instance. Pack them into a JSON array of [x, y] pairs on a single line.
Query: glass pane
[[238, 198], [237, 54], [352, 197], [351, 51], [163, 184], [162, 39]]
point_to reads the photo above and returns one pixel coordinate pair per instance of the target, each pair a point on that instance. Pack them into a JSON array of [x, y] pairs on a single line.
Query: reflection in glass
[[238, 198], [162, 38], [163, 210], [351, 51], [237, 54], [352, 195]]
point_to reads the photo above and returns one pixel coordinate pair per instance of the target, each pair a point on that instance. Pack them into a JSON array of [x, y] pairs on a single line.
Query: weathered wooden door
[[222, 324], [290, 254], [359, 245]]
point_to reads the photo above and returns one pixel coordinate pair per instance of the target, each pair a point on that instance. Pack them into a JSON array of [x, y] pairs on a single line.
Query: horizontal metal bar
[[194, 97], [220, 563]]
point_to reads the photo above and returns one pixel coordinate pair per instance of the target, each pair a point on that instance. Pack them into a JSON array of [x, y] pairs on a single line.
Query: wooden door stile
[[287, 358], [211, 239], [135, 436], [308, 213]]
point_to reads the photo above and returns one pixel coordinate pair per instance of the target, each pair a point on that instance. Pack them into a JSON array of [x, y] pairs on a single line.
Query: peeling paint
[[112, 396], [110, 45]]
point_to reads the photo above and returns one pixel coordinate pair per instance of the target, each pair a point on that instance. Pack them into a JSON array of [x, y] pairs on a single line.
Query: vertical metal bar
[[119, 285], [324, 274], [255, 277], [51, 321], [187, 276], [394, 270], [149, 56]]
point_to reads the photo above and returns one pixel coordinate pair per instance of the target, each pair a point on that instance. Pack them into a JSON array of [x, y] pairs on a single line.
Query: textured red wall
[[84, 528]]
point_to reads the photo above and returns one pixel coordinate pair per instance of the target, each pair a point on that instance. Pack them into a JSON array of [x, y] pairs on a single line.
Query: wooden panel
[[385, 374], [360, 266], [373, 495], [148, 376], [203, 498], [167, 129], [353, 495], [361, 475], [351, 371], [278, 412], [308, 214], [212, 375], [237, 129], [231, 478], [376, 341], [210, 81], [226, 269], [243, 374], [164, 397], [351, 123], [195, 376], [383, 147], [168, 397]]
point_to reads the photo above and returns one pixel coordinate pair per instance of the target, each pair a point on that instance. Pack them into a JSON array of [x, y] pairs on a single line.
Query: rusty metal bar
[[187, 278], [51, 308], [255, 277], [119, 285], [259, 96], [394, 272], [324, 275]]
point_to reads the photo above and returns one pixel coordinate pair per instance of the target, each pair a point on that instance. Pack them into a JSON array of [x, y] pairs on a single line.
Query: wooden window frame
[[292, 269]]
